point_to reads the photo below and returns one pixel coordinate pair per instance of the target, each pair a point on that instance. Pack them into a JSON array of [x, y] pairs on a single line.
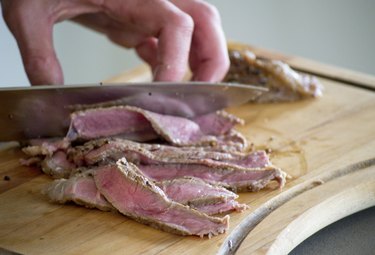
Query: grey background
[[338, 32]]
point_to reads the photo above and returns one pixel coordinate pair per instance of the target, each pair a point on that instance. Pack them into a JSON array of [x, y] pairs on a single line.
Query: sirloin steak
[[136, 197]]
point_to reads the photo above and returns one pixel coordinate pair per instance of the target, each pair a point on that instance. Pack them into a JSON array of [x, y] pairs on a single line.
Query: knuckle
[[208, 11], [183, 21]]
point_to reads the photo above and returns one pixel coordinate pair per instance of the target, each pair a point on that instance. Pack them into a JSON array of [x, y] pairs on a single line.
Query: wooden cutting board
[[326, 145]]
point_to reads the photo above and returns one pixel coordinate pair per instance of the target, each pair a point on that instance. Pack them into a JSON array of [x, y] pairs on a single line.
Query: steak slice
[[193, 191], [57, 165], [136, 197], [231, 178], [201, 196], [80, 189], [217, 123], [103, 122], [140, 125], [283, 82], [100, 151], [223, 207]]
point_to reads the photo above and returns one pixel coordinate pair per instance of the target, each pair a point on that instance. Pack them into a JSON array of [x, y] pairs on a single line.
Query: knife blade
[[43, 111]]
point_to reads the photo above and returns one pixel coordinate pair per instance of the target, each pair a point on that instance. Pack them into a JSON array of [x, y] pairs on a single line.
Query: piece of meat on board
[[80, 189], [200, 195], [283, 82], [104, 150], [138, 198], [140, 125], [231, 178]]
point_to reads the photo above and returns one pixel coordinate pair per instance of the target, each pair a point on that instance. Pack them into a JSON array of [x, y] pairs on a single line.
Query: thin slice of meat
[[46, 147], [283, 82], [202, 196], [107, 150], [80, 189], [217, 123], [237, 171], [138, 198], [231, 178], [113, 121], [193, 191], [57, 165], [140, 125], [219, 208]]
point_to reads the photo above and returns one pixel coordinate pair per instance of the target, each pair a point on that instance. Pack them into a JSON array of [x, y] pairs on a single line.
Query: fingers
[[148, 51], [174, 47], [34, 37], [209, 59], [164, 21]]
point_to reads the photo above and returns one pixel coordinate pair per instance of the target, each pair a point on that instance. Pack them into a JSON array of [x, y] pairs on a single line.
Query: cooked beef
[[105, 150], [284, 83], [80, 189], [157, 102], [197, 194], [140, 125], [57, 165], [193, 191], [138, 198], [231, 178], [46, 147], [200, 195], [237, 171], [104, 122], [217, 123], [223, 207]]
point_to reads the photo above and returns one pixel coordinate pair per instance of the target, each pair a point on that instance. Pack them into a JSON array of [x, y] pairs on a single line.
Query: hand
[[166, 34]]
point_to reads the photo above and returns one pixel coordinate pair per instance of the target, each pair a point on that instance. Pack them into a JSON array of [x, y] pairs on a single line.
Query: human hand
[[166, 34]]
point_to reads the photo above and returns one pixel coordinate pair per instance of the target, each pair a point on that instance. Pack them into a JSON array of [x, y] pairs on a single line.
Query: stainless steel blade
[[43, 111]]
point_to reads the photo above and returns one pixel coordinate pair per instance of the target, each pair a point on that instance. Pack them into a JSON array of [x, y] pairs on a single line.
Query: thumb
[[35, 41]]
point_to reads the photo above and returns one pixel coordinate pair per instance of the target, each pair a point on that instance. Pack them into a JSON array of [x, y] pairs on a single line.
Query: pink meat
[[223, 207], [217, 123], [57, 165], [195, 191], [137, 124], [138, 198], [103, 150], [235, 179], [78, 189], [104, 122]]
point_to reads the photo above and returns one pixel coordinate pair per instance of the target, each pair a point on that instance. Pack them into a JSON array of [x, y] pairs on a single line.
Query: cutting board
[[326, 145]]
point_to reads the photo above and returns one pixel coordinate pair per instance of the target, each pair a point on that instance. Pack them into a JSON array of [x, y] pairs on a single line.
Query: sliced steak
[[80, 189], [217, 123], [236, 171], [100, 151], [283, 82], [104, 122], [57, 165], [232, 178], [223, 207], [193, 191], [202, 196], [140, 125], [136, 197]]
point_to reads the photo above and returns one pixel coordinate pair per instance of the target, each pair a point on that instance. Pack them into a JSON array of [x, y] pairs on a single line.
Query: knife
[[43, 111]]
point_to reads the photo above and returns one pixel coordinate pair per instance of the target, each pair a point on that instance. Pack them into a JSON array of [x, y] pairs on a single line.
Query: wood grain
[[326, 146]]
